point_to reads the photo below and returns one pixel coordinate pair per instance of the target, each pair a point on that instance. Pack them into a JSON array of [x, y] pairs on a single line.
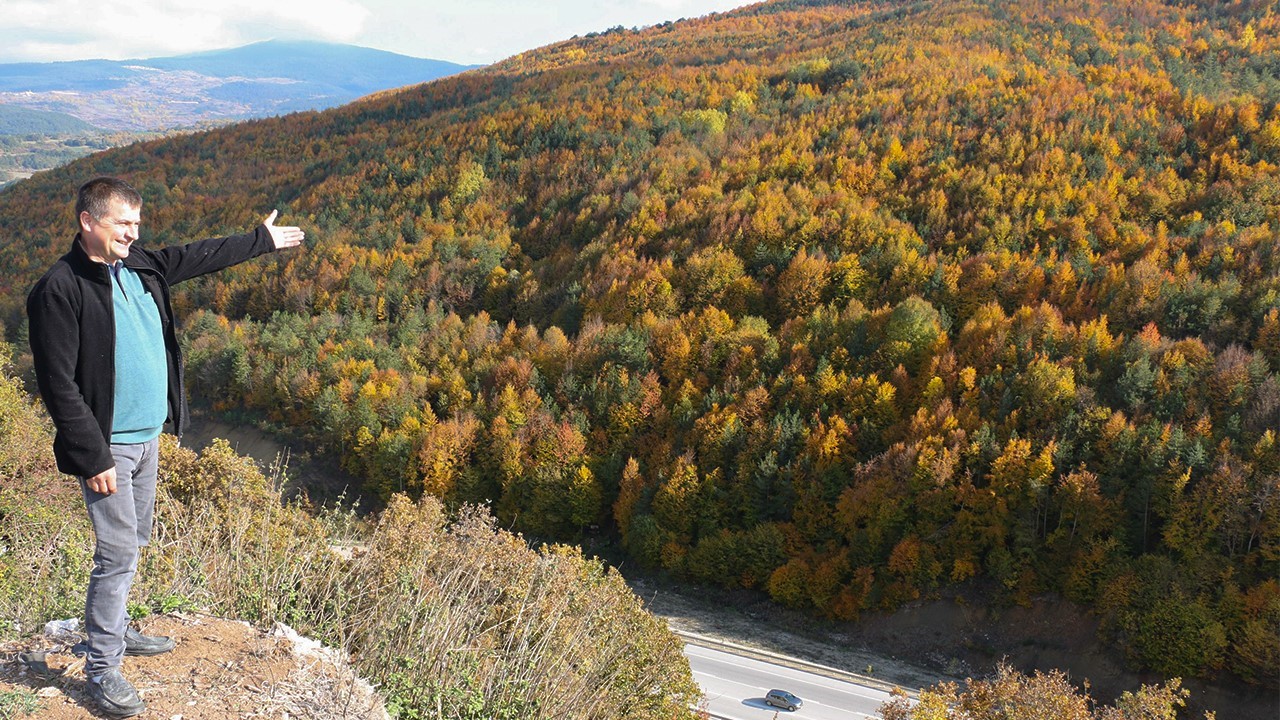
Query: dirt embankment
[[220, 669]]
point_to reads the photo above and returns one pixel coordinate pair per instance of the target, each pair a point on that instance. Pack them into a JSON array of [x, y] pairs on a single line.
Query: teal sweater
[[141, 406]]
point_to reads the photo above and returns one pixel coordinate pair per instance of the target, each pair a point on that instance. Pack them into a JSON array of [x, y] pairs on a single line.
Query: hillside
[[22, 121], [856, 304], [32, 140]]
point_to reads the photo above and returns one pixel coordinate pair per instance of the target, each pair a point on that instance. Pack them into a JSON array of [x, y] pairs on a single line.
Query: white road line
[[797, 680]]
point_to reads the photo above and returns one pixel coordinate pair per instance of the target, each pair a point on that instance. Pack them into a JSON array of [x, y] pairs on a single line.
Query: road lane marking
[[800, 676], [826, 688]]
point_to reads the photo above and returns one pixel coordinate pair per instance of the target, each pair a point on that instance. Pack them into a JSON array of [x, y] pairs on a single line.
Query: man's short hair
[[97, 195]]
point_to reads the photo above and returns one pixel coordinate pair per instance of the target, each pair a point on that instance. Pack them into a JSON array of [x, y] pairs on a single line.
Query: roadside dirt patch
[[220, 669]]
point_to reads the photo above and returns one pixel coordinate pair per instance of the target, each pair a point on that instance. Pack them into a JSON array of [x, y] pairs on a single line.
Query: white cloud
[[482, 31], [119, 29], [691, 9], [467, 31]]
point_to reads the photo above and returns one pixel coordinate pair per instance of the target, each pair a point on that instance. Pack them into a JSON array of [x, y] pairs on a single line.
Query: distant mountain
[[258, 80], [339, 69]]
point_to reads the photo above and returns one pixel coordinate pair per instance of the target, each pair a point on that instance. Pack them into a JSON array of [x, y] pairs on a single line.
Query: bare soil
[[221, 669]]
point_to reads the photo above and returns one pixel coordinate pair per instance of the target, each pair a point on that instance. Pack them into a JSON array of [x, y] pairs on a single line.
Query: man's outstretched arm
[[183, 262]]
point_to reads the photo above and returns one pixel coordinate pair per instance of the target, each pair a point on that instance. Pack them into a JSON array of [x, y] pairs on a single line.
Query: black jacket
[[73, 338]]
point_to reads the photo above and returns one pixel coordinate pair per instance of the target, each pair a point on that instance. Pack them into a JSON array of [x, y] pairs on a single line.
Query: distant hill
[[25, 121], [258, 80], [34, 140]]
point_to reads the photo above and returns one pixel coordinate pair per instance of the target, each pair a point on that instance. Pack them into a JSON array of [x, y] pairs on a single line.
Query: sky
[[469, 32]]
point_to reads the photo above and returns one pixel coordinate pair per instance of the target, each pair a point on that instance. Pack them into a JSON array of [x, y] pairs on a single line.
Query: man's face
[[107, 239]]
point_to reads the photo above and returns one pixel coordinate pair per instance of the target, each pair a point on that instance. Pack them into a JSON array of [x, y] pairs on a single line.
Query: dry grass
[[45, 543], [451, 616]]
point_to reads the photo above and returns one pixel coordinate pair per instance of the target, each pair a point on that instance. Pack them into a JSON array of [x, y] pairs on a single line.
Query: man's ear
[[85, 219]]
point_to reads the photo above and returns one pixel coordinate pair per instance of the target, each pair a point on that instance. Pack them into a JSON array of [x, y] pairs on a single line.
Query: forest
[[853, 303]]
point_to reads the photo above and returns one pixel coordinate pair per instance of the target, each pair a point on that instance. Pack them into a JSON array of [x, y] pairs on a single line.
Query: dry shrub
[[46, 546], [534, 634], [225, 541], [450, 615], [1011, 695]]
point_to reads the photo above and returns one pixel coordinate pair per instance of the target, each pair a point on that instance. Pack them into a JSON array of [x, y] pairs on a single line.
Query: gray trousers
[[121, 525]]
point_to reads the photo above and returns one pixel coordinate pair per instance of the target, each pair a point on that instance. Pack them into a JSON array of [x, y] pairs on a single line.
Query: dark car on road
[[783, 699]]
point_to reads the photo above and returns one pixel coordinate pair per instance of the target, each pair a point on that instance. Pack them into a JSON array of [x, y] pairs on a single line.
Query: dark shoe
[[135, 643], [115, 695]]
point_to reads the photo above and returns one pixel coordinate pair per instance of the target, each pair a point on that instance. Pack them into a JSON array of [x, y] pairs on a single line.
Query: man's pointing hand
[[283, 235]]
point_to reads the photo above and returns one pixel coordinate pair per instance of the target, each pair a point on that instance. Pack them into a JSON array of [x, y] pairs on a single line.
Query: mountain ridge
[[256, 80]]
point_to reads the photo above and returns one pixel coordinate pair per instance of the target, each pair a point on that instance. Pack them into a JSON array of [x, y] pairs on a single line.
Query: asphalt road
[[734, 687]]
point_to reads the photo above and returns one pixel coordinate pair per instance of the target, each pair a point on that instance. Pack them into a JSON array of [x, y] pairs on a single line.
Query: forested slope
[[851, 302]]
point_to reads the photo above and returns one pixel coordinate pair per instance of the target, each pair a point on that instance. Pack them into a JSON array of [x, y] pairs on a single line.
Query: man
[[109, 368]]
